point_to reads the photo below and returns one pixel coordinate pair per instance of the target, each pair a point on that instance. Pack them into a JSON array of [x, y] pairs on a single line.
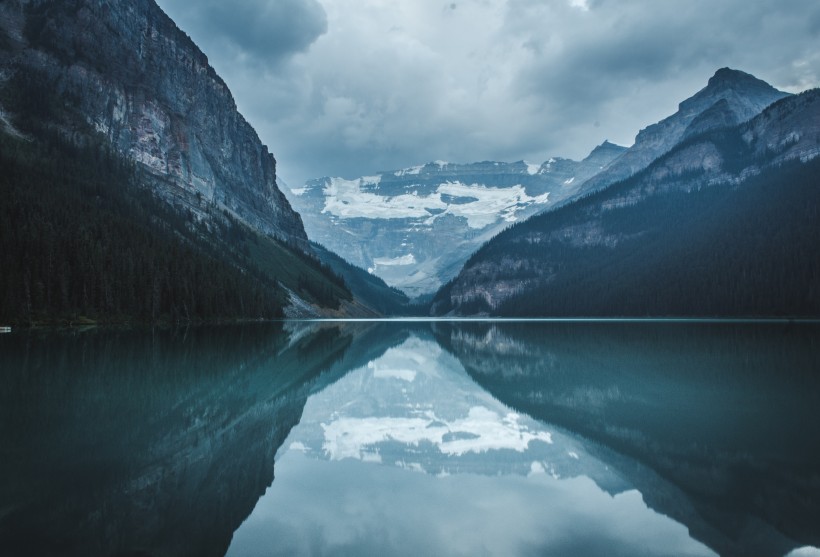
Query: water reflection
[[724, 415], [420, 438], [141, 443], [407, 455]]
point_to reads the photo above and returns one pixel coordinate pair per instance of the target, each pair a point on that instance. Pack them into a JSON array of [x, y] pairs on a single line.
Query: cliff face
[[125, 71]]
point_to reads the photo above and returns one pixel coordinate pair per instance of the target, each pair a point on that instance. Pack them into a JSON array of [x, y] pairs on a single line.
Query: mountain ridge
[[535, 260], [414, 227], [745, 96]]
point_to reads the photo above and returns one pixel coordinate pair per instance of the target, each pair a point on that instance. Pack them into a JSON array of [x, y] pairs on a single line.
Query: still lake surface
[[413, 438]]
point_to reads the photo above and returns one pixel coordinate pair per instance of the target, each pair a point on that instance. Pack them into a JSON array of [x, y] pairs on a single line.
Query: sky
[[349, 88]]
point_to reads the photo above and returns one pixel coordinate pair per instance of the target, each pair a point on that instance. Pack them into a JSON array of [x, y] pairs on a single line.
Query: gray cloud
[[264, 31], [350, 89]]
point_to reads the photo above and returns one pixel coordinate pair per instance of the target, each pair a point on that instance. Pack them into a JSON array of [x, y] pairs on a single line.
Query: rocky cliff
[[123, 71]]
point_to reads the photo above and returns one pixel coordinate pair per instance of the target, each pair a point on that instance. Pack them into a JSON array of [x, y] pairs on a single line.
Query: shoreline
[[85, 325]]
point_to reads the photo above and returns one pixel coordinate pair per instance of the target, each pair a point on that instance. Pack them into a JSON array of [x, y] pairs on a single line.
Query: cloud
[[351, 89], [629, 63], [256, 31]]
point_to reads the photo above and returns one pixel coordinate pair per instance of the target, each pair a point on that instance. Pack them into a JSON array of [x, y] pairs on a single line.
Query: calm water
[[412, 439]]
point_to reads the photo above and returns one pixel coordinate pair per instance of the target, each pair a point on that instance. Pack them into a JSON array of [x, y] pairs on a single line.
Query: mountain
[[730, 97], [416, 226], [367, 288], [130, 74], [724, 224], [85, 81]]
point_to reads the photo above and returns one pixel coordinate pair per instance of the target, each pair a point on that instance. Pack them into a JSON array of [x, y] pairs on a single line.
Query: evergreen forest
[[82, 241]]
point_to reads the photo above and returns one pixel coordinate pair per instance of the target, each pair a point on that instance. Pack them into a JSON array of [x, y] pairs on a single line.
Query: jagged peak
[[608, 145], [746, 94], [740, 83], [605, 148]]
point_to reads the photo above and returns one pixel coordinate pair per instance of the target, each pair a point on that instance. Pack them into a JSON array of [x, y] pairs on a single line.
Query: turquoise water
[[413, 438]]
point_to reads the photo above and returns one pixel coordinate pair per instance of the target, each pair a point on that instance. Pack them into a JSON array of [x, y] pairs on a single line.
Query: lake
[[413, 438]]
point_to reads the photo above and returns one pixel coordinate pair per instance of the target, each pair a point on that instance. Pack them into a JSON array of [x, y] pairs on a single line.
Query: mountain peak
[[746, 94], [607, 145], [745, 97], [727, 77], [606, 150]]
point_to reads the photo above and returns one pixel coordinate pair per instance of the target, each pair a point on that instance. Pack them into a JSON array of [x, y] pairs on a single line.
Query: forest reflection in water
[[394, 438]]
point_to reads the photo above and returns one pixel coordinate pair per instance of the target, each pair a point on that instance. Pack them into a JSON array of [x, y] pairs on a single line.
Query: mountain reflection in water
[[412, 438]]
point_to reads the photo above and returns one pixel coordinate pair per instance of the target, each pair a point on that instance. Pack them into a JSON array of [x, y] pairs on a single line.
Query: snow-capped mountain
[[415, 227]]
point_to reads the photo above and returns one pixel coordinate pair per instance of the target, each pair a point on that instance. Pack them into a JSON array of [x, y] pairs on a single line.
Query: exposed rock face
[[125, 71], [730, 97], [417, 226]]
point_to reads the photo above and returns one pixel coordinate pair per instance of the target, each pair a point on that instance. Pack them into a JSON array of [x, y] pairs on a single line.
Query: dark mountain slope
[[81, 240], [369, 289], [701, 232]]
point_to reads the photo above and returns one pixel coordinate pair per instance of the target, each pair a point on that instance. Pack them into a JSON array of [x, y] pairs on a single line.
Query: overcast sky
[[350, 87]]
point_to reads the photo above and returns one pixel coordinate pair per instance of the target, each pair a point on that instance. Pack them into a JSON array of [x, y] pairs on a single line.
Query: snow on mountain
[[479, 204], [532, 169], [415, 227]]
